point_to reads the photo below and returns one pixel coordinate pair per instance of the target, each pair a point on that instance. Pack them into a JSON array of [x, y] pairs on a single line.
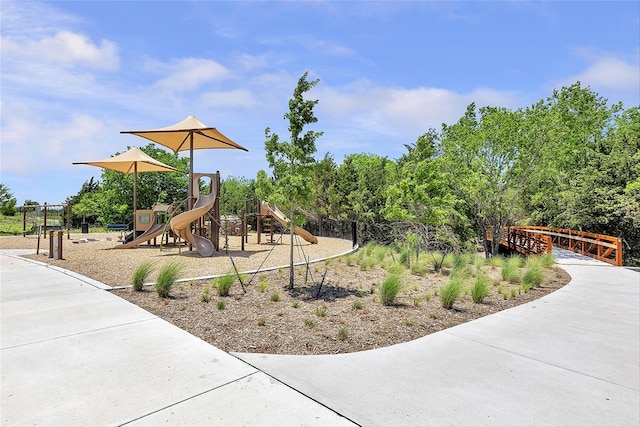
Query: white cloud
[[612, 73], [187, 74], [606, 73], [66, 49]]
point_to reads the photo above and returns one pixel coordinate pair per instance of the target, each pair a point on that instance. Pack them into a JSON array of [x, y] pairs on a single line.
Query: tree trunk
[[291, 272]]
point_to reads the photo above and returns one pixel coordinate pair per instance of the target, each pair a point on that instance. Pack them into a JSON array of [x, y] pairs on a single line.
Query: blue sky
[[76, 73]]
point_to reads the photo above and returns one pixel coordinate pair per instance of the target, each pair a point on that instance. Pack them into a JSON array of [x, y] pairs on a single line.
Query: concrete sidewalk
[[72, 354]]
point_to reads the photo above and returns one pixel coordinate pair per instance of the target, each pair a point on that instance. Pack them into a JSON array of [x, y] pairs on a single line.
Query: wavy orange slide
[[181, 224], [271, 209]]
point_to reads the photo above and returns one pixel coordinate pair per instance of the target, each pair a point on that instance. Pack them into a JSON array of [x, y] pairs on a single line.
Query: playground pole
[[44, 231], [68, 219]]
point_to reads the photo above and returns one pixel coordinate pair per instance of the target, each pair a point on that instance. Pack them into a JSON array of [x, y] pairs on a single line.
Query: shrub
[[141, 274], [532, 277], [167, 278], [450, 292], [389, 289], [480, 289]]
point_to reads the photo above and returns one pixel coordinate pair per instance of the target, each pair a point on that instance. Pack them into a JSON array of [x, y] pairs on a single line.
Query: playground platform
[[73, 354]]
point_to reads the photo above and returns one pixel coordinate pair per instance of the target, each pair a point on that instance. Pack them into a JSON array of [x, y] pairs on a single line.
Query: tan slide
[[271, 209], [181, 224], [154, 231]]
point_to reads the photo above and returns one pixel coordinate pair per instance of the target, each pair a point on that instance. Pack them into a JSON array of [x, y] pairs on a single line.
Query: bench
[[122, 228]]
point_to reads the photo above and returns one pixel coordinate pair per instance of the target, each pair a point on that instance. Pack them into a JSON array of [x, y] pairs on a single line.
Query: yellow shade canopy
[[189, 134], [134, 160]]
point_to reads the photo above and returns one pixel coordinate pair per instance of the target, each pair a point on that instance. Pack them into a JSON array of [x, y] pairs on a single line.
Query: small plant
[[389, 289], [263, 286], [419, 269], [357, 305], [141, 274], [532, 277], [309, 323], [296, 304], [480, 289], [261, 321], [343, 333], [221, 305], [167, 278], [409, 322], [367, 263], [224, 283], [322, 311], [427, 296], [416, 301], [205, 297], [450, 292], [275, 296]]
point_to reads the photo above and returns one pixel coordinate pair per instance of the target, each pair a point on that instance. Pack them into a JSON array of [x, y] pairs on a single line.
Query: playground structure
[[205, 205], [45, 217], [529, 240], [269, 211], [150, 222], [198, 226]]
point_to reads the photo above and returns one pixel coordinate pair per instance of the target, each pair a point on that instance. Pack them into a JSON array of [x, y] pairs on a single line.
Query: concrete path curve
[[73, 354]]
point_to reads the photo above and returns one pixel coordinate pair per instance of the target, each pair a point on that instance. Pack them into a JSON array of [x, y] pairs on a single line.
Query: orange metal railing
[[536, 240]]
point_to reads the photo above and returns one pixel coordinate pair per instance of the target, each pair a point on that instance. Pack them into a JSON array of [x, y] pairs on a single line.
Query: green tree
[[7, 201], [487, 161], [291, 161], [324, 175], [234, 192], [361, 187]]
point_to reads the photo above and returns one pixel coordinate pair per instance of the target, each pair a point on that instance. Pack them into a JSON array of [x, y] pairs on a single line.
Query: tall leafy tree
[[291, 161], [7, 201], [234, 192], [361, 187], [324, 175], [488, 158]]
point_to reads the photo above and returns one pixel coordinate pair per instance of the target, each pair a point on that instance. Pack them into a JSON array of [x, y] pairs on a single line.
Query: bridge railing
[[599, 246], [524, 241]]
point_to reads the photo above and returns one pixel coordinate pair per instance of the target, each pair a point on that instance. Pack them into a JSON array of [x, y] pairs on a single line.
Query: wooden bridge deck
[[537, 240]]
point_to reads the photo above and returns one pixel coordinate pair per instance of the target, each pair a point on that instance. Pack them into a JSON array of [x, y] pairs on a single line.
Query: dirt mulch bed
[[343, 315]]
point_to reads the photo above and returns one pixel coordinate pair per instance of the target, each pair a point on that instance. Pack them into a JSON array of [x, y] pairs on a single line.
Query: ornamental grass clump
[[223, 283], [450, 292], [510, 269], [141, 274], [480, 289], [167, 277], [532, 277], [390, 288]]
